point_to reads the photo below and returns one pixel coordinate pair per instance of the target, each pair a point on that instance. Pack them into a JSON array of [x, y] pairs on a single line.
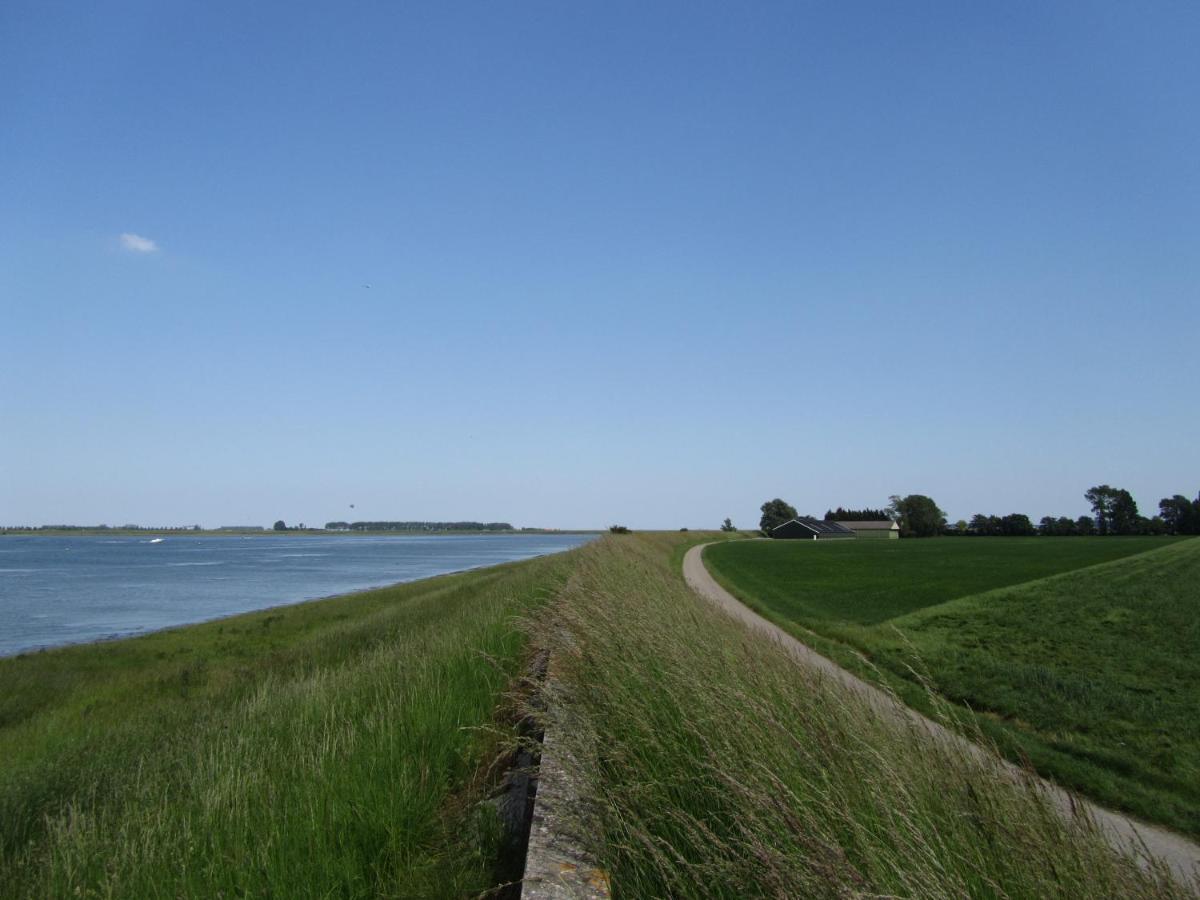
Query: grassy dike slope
[[1095, 672], [716, 767], [825, 585], [332, 748], [1089, 674]]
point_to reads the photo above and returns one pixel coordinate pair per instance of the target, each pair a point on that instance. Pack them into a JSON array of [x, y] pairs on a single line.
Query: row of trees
[[1181, 515], [855, 515], [418, 526], [1020, 525], [1065, 526], [1114, 511], [1012, 525], [20, 528]]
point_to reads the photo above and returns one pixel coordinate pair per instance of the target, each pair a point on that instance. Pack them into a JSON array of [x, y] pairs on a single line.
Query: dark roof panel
[[823, 527], [818, 526]]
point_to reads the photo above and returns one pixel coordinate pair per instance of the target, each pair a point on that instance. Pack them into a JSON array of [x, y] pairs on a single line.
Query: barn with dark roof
[[808, 529]]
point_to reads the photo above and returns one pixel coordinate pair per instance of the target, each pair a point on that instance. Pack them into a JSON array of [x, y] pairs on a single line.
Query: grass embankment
[[719, 768], [333, 748], [1089, 674]]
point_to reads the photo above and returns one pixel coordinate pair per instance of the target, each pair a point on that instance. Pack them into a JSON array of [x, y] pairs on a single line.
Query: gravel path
[[1180, 854]]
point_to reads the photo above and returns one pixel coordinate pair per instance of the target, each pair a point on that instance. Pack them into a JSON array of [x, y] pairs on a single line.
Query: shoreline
[[267, 532], [287, 604], [275, 734]]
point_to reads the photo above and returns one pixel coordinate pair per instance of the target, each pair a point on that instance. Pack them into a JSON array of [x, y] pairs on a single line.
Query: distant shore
[[141, 582], [267, 532]]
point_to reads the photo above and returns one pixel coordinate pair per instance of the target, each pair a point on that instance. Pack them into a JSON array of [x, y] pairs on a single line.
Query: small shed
[[807, 529], [885, 529]]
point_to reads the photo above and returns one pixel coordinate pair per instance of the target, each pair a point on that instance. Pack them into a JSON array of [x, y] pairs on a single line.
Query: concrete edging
[[557, 863]]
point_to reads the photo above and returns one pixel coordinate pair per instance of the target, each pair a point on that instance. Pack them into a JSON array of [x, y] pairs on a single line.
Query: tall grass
[[338, 748], [716, 767], [1087, 673]]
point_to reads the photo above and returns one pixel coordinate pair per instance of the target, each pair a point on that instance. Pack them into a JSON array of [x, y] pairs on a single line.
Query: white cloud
[[135, 243]]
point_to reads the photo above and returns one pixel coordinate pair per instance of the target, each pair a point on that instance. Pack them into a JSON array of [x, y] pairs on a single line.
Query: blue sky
[[639, 263]]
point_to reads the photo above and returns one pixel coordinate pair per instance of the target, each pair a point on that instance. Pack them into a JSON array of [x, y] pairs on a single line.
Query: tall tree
[[1180, 514], [728, 525], [775, 512], [1016, 525], [1102, 498], [1124, 514], [917, 515]]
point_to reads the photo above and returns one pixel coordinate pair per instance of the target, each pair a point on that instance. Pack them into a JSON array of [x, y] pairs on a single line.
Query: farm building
[[883, 529], [811, 529]]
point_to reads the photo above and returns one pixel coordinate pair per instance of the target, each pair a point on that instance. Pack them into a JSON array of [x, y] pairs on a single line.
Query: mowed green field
[[1081, 655], [333, 748]]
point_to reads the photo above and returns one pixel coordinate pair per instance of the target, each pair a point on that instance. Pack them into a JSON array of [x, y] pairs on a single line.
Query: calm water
[[62, 590]]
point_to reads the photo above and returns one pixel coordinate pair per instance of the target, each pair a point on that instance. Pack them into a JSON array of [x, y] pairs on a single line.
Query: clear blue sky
[[628, 262]]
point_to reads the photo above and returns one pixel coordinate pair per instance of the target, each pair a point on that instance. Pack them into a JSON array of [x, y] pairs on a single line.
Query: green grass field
[[1080, 655], [718, 768], [332, 748]]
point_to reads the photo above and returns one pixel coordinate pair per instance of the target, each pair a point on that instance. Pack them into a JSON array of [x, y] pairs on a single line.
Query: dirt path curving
[[1180, 854]]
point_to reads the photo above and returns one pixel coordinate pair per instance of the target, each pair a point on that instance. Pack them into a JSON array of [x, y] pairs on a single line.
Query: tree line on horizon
[[855, 515], [1114, 512], [100, 528], [418, 526]]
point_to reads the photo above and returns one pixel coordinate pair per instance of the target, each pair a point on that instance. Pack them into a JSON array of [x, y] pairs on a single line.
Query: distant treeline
[[100, 528], [419, 526], [1114, 512], [855, 515]]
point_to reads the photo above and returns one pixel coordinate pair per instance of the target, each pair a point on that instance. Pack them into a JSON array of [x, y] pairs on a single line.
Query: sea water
[[62, 590]]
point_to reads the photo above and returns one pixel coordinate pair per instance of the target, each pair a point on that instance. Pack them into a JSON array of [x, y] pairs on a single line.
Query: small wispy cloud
[[135, 243]]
